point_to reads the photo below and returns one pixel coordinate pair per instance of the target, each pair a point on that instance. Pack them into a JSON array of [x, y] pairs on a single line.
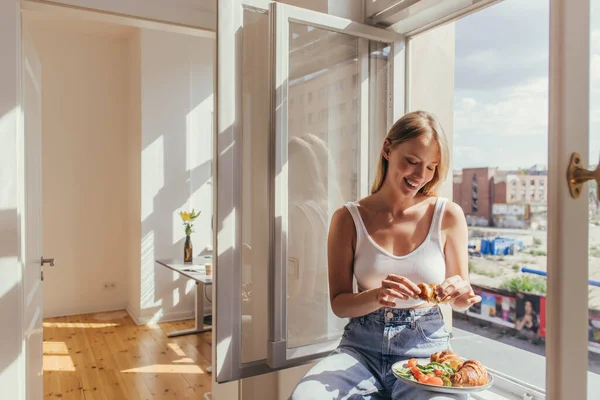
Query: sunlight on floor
[[58, 363], [92, 325], [165, 369], [56, 357]]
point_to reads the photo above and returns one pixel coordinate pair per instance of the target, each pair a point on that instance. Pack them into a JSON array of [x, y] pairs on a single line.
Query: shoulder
[[453, 216], [342, 218], [342, 229]]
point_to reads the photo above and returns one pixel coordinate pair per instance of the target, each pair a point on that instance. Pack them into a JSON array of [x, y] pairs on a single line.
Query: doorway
[[126, 145]]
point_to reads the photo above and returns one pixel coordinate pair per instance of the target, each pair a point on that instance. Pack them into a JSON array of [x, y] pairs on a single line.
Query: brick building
[[477, 189]]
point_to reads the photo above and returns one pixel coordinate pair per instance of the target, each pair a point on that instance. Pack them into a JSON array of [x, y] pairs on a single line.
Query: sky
[[501, 86]]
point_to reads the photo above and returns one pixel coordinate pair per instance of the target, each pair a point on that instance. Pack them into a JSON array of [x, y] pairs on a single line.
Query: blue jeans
[[360, 368]]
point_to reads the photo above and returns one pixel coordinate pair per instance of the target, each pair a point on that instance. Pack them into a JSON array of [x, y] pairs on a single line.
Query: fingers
[[474, 299], [386, 296], [411, 289], [448, 282], [452, 288]]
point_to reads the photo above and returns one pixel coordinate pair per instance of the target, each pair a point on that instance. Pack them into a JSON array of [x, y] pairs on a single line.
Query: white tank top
[[425, 264]]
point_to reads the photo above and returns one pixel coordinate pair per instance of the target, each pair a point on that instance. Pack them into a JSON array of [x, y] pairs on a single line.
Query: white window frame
[[566, 342], [278, 353], [566, 359], [228, 182]]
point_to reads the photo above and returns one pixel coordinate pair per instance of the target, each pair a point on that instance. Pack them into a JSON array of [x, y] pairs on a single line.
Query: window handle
[[577, 175]]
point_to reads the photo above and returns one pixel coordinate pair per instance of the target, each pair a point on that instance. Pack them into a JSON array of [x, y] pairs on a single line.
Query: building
[[476, 190]]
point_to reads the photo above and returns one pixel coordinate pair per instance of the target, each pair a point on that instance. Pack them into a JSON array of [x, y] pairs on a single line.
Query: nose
[[420, 171]]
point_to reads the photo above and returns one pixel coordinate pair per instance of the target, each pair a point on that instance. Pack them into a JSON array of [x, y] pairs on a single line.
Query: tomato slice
[[434, 380], [412, 362]]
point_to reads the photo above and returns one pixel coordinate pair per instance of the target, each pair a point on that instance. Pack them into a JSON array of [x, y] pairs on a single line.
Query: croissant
[[427, 292], [472, 373], [448, 357]]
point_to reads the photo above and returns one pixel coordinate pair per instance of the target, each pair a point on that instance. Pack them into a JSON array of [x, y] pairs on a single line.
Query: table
[[197, 272]]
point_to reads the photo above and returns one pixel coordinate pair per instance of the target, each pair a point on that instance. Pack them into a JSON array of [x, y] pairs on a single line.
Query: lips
[[411, 184]]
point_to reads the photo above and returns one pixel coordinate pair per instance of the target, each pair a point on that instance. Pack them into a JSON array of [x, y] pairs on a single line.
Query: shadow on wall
[[176, 163], [8, 237], [8, 351]]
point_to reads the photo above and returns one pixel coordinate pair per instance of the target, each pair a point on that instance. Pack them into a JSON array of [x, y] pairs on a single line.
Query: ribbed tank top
[[425, 264]]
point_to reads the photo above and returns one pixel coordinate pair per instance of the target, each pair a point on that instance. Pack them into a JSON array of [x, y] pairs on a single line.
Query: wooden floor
[[107, 357]]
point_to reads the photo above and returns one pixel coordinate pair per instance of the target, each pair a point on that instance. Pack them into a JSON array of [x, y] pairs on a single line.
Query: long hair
[[412, 125]]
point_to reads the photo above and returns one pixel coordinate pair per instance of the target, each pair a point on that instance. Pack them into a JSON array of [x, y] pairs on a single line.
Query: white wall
[[196, 13], [432, 72], [11, 363], [134, 187], [176, 111], [84, 163]]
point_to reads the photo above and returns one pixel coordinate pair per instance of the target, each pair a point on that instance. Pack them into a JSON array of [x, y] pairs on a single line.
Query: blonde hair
[[412, 125]]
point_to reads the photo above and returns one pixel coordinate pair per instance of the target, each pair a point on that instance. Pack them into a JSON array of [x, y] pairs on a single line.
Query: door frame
[[568, 117], [13, 378]]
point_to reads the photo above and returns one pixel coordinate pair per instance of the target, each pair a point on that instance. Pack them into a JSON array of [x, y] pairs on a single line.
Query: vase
[[187, 250]]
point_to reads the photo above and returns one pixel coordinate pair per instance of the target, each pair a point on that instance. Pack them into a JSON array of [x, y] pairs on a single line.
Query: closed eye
[[412, 162]]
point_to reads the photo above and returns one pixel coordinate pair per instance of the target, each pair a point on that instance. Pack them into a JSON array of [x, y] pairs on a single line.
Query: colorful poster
[[528, 314], [496, 306]]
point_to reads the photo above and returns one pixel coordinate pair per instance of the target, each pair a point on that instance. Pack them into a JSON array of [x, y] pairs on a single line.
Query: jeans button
[[390, 314]]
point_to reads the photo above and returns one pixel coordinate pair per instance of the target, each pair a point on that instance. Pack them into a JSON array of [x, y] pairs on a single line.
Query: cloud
[[501, 85], [521, 110], [503, 45]]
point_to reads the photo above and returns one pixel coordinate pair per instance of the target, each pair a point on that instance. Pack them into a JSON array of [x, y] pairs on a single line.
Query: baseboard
[[170, 317], [132, 315], [81, 310]]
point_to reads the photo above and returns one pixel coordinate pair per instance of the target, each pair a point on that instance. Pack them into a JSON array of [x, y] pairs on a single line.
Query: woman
[[390, 241]]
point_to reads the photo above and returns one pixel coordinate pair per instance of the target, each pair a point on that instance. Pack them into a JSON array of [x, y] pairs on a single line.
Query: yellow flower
[[185, 216]]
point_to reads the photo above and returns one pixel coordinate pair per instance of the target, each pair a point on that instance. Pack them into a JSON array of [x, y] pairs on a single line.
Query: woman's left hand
[[458, 291]]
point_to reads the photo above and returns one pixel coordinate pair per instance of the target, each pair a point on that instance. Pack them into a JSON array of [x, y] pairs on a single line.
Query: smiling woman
[[391, 242]]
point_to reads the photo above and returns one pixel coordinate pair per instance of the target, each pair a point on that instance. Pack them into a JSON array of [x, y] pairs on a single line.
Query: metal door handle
[[577, 176], [47, 261]]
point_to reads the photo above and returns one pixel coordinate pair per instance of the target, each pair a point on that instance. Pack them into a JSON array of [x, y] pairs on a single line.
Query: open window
[[298, 92]]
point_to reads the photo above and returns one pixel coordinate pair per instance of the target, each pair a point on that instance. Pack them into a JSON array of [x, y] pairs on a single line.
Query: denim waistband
[[399, 315]]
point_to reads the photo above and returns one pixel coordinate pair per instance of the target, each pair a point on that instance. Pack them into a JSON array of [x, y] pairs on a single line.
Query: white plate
[[439, 389]]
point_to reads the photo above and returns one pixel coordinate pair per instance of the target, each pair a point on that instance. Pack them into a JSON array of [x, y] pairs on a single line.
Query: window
[[474, 195], [342, 108], [323, 114], [513, 236], [322, 92], [310, 96]]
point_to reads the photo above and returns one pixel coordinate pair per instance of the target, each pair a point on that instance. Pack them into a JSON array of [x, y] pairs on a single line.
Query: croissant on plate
[[448, 357], [472, 373]]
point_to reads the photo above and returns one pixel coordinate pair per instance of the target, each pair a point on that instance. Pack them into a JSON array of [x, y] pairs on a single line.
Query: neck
[[396, 201]]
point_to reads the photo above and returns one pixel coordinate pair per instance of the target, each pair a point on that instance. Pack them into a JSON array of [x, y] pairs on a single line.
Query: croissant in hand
[[448, 357], [472, 373]]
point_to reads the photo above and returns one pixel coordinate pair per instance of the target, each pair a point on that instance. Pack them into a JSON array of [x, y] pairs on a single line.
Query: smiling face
[[411, 164]]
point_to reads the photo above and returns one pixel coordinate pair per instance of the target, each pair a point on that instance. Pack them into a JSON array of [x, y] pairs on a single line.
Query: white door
[[32, 220]]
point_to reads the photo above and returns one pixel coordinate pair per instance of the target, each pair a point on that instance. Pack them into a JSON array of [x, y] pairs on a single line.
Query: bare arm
[[345, 303], [454, 227]]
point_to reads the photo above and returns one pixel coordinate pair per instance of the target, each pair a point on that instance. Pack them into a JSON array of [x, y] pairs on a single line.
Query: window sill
[[522, 364]]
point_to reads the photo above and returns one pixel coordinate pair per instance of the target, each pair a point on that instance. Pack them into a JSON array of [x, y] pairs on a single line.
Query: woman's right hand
[[396, 287]]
